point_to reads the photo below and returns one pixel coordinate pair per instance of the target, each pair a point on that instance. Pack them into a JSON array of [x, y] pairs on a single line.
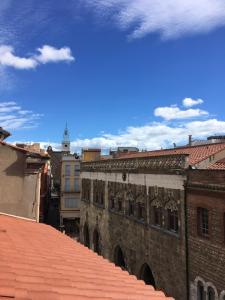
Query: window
[[67, 184], [67, 170], [71, 202], [140, 211], [172, 220], [157, 216], [203, 221], [131, 208], [77, 170], [200, 291], [211, 293], [120, 205], [86, 189], [99, 192], [76, 185], [112, 203], [101, 198]]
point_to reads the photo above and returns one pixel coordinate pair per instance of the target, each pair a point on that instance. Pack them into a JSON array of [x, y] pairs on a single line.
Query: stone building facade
[[132, 213], [161, 216], [206, 234]]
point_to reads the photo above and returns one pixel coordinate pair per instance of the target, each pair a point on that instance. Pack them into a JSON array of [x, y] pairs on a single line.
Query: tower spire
[[66, 140]]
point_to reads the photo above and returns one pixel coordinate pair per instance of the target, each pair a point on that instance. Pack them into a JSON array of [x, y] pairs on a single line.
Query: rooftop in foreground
[[38, 262]]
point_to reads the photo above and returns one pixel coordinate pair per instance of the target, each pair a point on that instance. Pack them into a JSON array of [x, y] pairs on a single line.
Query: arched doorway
[[86, 236], [96, 242], [146, 275], [119, 258]]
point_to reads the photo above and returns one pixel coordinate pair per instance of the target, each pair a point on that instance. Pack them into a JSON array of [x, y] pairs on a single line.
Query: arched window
[[86, 236], [96, 242], [146, 275], [211, 293], [119, 258], [200, 291]]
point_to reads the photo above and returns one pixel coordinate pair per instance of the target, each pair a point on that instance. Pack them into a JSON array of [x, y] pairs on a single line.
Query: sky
[[143, 73]]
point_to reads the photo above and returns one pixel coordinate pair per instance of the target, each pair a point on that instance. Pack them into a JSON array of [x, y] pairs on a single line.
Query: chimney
[[174, 145], [190, 140]]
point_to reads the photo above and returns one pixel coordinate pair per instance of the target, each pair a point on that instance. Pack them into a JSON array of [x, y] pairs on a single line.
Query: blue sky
[[120, 72]]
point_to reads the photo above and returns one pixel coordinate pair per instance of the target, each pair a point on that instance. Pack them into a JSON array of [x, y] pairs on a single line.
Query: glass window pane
[[173, 220], [72, 202], [67, 184], [76, 185], [67, 170], [77, 170], [203, 221]]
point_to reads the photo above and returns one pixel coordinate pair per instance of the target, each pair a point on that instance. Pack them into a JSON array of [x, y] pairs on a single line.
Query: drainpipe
[[38, 195], [186, 237]]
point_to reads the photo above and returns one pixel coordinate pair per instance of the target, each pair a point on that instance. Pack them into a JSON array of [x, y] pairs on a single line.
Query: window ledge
[[164, 230]]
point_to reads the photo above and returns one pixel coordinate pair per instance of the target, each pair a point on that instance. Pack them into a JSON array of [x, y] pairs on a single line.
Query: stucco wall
[[17, 190]]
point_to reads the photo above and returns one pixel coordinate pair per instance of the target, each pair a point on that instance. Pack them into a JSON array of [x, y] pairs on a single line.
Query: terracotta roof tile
[[38, 262], [219, 165], [196, 153]]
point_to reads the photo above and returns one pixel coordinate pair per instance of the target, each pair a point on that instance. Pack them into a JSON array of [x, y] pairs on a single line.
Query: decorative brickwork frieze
[[168, 163]]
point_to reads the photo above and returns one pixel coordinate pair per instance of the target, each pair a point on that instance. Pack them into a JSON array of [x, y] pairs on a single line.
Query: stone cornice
[[209, 187], [165, 164]]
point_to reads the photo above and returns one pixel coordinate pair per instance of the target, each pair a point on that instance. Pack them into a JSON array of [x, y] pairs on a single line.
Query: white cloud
[[174, 113], [9, 59], [47, 54], [51, 54], [12, 116], [151, 136], [170, 18], [189, 102]]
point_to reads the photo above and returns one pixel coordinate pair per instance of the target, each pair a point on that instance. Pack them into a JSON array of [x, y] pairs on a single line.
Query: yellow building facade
[[70, 194]]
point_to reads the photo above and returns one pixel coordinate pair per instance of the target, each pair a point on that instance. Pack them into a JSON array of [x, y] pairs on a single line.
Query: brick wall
[[207, 255]]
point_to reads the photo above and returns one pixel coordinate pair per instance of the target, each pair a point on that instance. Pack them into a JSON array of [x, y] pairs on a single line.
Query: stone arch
[[96, 242], [146, 275], [211, 290], [86, 236], [199, 289], [119, 258], [222, 295]]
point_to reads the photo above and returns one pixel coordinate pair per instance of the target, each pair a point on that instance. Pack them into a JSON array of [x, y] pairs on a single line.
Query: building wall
[[71, 192], [90, 155], [140, 241], [207, 255], [18, 191]]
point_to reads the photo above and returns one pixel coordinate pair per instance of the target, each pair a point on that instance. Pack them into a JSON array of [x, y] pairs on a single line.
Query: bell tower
[[66, 140]]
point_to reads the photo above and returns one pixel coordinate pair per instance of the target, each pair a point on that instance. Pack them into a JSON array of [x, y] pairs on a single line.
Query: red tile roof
[[40, 263], [196, 153], [219, 165]]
